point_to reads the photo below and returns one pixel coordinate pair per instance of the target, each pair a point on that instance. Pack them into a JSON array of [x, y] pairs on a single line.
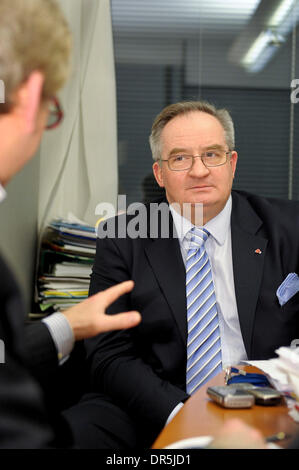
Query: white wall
[[18, 215]]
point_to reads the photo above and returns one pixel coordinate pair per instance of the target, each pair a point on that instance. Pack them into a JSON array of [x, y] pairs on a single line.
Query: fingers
[[121, 321], [111, 294]]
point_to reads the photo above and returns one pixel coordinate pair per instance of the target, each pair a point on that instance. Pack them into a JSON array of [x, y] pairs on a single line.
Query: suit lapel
[[164, 256], [247, 263]]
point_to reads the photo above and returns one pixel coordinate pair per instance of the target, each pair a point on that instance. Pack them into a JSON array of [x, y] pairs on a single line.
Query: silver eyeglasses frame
[[192, 157]]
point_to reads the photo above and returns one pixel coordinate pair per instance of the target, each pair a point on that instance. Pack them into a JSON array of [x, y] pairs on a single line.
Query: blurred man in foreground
[[35, 45]]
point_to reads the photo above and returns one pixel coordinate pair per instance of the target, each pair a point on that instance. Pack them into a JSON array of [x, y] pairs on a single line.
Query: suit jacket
[[144, 369], [40, 353], [31, 383], [63, 385], [23, 417]]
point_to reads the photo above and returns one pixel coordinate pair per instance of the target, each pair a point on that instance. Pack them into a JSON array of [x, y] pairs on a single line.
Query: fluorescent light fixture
[[262, 60], [261, 43], [281, 13], [282, 20]]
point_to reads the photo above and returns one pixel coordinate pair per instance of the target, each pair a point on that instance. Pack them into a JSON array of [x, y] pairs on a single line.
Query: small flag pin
[[258, 251]]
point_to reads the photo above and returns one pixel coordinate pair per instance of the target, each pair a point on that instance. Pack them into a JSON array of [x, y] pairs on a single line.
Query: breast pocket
[[292, 305]]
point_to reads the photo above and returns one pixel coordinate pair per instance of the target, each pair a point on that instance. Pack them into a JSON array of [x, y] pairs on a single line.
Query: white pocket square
[[288, 288]]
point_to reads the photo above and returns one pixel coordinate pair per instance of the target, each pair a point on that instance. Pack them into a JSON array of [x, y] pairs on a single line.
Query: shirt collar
[[218, 226], [3, 193], [182, 225]]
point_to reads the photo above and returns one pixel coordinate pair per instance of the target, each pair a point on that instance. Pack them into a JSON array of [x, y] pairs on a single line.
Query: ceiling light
[[259, 45], [266, 32], [281, 13]]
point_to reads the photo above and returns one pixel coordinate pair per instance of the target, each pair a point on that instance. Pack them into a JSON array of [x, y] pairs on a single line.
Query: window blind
[[167, 51]]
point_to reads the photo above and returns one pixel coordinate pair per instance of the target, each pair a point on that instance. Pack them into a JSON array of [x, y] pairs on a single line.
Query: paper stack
[[283, 373], [288, 363], [66, 258]]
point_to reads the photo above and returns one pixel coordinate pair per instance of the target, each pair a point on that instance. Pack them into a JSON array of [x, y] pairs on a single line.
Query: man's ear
[[28, 100], [157, 170], [233, 162]]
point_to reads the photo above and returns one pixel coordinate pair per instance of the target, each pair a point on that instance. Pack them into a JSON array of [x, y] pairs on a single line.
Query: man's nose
[[198, 168]]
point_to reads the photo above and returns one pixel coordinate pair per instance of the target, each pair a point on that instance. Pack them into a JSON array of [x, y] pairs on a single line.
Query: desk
[[201, 417]]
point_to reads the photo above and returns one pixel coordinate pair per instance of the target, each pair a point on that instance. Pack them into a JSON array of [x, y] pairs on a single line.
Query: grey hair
[[34, 35], [185, 107]]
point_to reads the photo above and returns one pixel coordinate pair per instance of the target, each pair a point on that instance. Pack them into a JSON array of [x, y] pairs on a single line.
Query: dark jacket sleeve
[[63, 385], [23, 417], [117, 366], [24, 421], [40, 353]]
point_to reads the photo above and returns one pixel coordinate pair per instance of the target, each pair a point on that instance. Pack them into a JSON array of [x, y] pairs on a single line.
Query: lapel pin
[[258, 251]]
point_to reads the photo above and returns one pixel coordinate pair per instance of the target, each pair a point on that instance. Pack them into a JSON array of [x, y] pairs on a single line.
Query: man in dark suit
[[38, 29], [23, 419], [253, 245]]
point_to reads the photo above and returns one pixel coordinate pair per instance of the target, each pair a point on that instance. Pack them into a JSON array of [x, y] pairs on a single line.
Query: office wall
[[78, 167], [164, 55], [18, 230], [262, 125]]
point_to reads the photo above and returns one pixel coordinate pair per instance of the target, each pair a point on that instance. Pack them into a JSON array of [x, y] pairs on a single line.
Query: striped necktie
[[203, 346]]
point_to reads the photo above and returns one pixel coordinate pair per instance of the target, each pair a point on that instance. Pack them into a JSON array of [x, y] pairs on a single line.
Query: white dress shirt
[[3, 193], [219, 250]]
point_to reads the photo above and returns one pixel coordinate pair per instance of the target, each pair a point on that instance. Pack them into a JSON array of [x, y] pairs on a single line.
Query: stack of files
[[61, 292], [67, 268], [66, 259], [76, 239]]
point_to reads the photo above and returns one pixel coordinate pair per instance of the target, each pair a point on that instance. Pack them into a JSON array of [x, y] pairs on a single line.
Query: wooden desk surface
[[202, 417]]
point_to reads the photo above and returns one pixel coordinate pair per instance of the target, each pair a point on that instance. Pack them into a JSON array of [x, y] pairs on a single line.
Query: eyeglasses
[[209, 159], [55, 114]]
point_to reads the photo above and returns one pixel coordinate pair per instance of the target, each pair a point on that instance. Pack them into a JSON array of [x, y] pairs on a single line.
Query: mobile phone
[[266, 396], [231, 397]]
